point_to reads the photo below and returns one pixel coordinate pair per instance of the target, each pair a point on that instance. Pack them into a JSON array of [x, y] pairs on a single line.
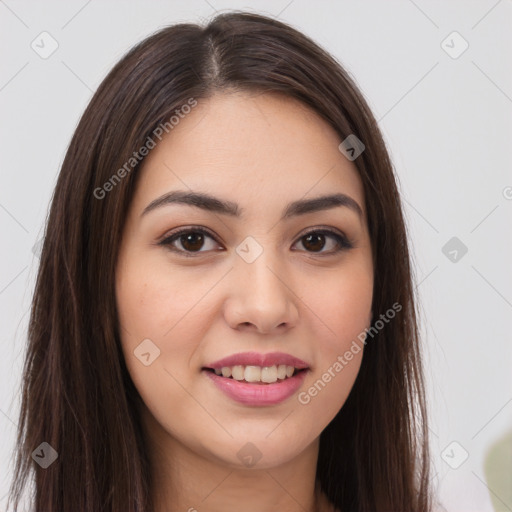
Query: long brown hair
[[76, 391]]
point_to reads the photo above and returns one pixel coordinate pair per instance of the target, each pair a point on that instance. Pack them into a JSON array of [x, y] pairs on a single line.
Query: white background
[[447, 122]]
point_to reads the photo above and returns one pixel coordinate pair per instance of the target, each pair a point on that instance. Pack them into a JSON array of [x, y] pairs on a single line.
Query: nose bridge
[[258, 265], [263, 295]]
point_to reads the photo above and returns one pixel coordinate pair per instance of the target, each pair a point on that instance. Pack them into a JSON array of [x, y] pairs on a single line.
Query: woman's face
[[247, 278]]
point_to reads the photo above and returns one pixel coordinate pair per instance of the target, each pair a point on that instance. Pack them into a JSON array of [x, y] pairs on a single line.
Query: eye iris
[[192, 241], [315, 238]]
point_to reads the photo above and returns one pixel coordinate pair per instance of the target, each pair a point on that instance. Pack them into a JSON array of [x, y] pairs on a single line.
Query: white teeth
[[250, 373], [237, 372], [269, 374]]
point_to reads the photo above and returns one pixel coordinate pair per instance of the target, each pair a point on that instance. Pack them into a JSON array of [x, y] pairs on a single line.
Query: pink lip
[[257, 394], [257, 359]]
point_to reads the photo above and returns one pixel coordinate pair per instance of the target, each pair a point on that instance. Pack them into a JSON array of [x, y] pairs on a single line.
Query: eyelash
[[344, 243]]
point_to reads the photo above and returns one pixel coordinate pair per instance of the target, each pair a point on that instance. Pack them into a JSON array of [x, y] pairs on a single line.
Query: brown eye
[[190, 240], [315, 241]]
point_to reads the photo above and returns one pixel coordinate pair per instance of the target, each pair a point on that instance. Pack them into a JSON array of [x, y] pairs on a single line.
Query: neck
[[191, 479]]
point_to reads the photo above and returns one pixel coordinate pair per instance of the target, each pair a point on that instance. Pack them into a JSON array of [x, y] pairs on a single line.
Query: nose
[[261, 296]]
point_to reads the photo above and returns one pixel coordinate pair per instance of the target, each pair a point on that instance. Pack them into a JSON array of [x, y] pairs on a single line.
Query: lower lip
[[258, 394]]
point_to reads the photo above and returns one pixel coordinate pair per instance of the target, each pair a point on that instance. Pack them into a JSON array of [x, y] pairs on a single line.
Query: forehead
[[251, 147]]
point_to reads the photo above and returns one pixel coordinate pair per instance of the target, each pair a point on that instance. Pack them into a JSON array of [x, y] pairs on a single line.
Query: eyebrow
[[224, 207]]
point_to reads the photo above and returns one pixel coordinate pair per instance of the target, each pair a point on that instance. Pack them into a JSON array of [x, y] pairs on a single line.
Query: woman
[[224, 314]]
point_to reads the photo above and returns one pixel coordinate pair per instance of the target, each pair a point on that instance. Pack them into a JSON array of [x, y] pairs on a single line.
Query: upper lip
[[257, 359]]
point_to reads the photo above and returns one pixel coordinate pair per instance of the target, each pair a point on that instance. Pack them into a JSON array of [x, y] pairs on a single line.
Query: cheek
[[157, 305], [156, 302], [344, 309], [169, 308], [343, 304]]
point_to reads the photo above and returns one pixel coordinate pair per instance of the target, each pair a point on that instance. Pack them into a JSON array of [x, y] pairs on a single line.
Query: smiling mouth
[[257, 375]]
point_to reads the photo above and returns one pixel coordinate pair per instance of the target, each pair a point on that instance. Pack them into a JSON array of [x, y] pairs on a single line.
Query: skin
[[261, 151]]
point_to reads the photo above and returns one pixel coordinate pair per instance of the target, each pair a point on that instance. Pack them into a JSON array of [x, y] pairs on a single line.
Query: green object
[[498, 473]]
